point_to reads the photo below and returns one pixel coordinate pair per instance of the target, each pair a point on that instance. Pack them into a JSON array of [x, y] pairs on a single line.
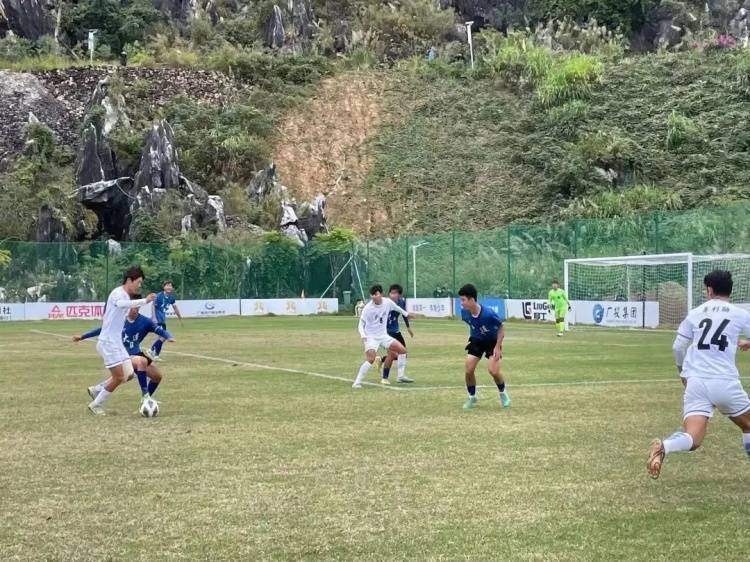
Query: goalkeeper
[[560, 305]]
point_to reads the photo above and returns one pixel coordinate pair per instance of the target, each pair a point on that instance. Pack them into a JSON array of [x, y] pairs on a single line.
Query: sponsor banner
[[202, 308], [63, 310], [11, 311], [628, 314], [288, 307], [432, 308], [495, 303], [529, 309]]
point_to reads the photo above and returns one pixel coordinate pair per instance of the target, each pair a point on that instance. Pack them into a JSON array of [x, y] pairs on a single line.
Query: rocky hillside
[[234, 118]]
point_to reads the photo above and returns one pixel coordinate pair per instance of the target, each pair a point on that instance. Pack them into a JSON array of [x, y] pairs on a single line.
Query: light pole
[[468, 25], [414, 263]]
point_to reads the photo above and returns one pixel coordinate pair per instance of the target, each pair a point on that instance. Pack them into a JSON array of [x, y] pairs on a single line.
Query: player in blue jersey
[[486, 334], [136, 328], [394, 330], [164, 300]]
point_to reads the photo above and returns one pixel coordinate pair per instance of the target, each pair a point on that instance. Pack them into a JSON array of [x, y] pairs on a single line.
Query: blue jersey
[[392, 326], [483, 327], [134, 332], [161, 304]]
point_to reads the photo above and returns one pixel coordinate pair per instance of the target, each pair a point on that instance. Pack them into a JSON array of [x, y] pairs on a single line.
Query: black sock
[[501, 386]]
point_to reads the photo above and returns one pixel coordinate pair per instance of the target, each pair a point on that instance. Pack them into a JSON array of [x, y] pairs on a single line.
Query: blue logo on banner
[[496, 304], [598, 313]]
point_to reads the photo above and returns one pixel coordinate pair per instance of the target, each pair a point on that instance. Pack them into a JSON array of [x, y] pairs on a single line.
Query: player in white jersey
[[110, 346], [373, 324], [704, 350]]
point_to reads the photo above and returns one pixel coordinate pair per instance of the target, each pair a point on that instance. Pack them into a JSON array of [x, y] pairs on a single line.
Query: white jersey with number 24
[[714, 328]]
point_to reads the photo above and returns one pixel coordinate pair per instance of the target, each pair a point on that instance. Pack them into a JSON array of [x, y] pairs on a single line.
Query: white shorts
[[373, 343], [113, 353], [703, 395]]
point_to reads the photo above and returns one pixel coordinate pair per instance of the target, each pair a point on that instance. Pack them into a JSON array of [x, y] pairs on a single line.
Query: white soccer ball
[[149, 408]]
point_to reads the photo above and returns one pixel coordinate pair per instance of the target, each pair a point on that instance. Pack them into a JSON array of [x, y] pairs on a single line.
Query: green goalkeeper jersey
[[558, 301]]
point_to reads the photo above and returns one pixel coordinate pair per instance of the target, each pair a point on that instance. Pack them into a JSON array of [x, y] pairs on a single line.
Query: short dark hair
[[396, 287], [469, 291], [167, 282], [720, 281], [136, 297], [555, 282], [133, 273], [376, 289]]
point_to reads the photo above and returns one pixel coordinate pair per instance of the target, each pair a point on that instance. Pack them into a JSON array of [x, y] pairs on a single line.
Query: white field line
[[673, 380], [246, 364]]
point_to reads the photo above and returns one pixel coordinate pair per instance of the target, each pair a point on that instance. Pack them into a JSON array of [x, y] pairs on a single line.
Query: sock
[[746, 442], [363, 372], [401, 365], [472, 388], [501, 386], [678, 442], [386, 372], [152, 386], [101, 397], [142, 381], [560, 327], [156, 348], [100, 385]]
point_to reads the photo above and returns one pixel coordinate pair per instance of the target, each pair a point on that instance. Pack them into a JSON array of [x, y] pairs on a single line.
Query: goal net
[[649, 290]]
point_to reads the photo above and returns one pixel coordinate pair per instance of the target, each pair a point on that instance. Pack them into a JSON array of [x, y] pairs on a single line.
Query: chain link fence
[[517, 261]]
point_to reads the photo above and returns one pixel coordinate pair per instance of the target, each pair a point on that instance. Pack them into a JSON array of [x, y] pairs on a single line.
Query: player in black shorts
[[395, 292]]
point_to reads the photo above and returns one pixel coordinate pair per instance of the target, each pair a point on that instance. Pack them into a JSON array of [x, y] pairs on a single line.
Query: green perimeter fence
[[515, 261]]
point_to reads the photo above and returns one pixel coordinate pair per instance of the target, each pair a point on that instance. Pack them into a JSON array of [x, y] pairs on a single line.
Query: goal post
[[647, 290]]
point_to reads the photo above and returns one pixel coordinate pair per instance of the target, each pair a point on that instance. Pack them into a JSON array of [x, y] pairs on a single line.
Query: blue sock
[[156, 348], [152, 386], [386, 372], [501, 386], [472, 388], [142, 382], [746, 442]]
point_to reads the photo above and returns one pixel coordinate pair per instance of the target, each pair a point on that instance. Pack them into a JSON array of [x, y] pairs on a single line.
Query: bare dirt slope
[[323, 146]]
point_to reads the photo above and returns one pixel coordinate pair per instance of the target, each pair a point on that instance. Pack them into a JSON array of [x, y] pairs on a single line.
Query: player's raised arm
[[400, 310], [132, 303]]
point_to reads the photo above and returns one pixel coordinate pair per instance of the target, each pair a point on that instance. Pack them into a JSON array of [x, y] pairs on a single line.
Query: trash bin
[[347, 297]]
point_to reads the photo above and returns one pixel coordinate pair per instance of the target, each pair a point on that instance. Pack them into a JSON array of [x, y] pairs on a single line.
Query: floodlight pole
[[468, 25]]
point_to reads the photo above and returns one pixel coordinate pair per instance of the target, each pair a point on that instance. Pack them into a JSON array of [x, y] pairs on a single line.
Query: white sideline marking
[[673, 380], [246, 364]]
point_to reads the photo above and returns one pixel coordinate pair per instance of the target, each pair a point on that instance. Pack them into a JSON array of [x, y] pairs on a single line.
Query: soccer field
[[264, 451]]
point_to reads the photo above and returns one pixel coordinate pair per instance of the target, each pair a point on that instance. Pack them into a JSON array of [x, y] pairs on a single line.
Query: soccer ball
[[149, 408]]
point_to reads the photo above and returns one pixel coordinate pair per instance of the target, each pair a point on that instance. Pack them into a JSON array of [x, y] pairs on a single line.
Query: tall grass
[[571, 79]]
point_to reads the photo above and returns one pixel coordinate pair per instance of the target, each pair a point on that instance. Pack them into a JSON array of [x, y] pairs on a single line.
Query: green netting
[[517, 261]]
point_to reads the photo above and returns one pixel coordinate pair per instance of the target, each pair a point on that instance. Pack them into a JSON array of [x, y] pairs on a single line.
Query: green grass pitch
[[251, 463]]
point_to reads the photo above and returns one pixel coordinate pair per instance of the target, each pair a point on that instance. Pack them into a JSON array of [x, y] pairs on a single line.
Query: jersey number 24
[[719, 338]]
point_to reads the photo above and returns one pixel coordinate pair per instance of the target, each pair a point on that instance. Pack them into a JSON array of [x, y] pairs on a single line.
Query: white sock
[[678, 442], [101, 397], [102, 385], [746, 442], [363, 372], [401, 365]]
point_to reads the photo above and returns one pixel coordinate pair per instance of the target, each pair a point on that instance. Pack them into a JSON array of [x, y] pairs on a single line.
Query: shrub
[[407, 28], [626, 203], [517, 60], [683, 132], [571, 79]]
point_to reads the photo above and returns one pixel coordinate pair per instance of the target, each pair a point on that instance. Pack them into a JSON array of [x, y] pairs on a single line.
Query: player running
[[486, 334], [372, 329], [559, 304], [164, 300], [109, 346], [395, 292], [137, 327], [710, 335]]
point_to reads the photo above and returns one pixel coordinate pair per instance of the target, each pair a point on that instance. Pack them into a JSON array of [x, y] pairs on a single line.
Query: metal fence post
[[657, 242], [510, 292], [453, 251], [406, 248]]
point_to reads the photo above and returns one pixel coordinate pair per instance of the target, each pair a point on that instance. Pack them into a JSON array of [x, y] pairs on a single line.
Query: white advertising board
[[431, 308], [288, 307], [631, 314]]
